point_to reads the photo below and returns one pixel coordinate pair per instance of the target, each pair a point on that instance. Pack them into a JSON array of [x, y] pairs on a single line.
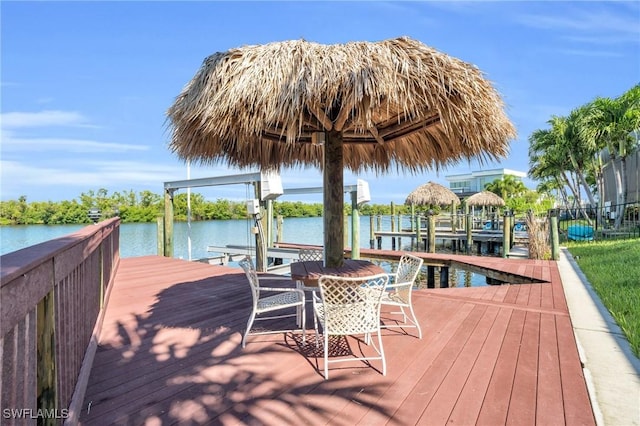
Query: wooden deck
[[170, 353]]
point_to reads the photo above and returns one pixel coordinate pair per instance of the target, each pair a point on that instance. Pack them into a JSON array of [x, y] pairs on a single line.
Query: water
[[140, 239]]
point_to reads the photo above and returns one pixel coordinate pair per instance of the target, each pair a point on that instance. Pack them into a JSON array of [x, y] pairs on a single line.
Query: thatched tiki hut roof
[[395, 104], [432, 194], [485, 198]]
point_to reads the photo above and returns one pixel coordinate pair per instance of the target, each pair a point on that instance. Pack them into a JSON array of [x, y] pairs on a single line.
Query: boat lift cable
[[189, 211]]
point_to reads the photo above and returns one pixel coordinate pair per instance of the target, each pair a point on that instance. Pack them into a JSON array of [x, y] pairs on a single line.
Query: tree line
[[146, 206], [570, 156]]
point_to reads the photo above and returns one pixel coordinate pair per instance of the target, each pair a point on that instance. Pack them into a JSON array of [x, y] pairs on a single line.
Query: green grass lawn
[[613, 269]]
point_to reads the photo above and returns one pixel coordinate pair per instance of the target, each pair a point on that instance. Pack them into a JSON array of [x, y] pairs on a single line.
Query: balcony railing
[[50, 311]]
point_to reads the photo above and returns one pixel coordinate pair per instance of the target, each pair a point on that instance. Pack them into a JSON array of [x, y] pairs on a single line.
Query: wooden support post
[[345, 227], [506, 234], [418, 232], [168, 223], [269, 223], [554, 237], [280, 230], [264, 241], [454, 217], [355, 227], [413, 216], [444, 277], [333, 197], [432, 233], [260, 237], [371, 233], [160, 234], [393, 217], [469, 229], [431, 276]]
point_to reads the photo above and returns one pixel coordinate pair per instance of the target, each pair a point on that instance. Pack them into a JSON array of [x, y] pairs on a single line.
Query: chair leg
[[299, 309], [304, 326], [249, 325], [381, 350], [415, 321], [326, 356]]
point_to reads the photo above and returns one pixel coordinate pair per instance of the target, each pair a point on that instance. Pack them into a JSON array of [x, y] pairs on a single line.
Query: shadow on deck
[[169, 353]]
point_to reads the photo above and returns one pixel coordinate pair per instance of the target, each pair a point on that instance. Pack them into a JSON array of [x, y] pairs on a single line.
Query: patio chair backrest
[[252, 275], [306, 254], [352, 305], [407, 272]]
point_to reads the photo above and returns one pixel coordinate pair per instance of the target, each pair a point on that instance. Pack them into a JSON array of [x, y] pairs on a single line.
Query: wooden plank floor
[[170, 353]]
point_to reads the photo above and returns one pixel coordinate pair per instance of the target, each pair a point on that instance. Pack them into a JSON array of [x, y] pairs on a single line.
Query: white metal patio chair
[[349, 306], [307, 254], [282, 298], [400, 289]]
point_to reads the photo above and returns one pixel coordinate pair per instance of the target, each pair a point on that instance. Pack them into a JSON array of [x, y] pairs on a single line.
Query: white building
[[470, 183]]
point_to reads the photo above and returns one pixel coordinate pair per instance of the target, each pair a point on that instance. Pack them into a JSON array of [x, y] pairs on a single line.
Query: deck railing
[[51, 295]]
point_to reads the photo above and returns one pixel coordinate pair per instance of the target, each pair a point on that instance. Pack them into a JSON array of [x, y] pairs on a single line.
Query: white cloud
[[49, 118], [591, 53], [103, 174], [14, 144], [619, 27]]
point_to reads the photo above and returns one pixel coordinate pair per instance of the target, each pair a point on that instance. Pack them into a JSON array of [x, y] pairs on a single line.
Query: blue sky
[[85, 85]]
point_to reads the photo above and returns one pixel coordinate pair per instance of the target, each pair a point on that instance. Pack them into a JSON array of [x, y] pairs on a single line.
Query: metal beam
[[214, 181], [315, 190]]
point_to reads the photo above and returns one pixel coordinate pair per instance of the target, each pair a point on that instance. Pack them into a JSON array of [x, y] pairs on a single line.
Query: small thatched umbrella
[[485, 198], [432, 194], [369, 106]]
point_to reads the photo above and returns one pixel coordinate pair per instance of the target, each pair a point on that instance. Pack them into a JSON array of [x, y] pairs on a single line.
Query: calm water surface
[[140, 239]]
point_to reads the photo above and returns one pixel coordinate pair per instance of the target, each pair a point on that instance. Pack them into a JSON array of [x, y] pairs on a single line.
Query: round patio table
[[310, 271]]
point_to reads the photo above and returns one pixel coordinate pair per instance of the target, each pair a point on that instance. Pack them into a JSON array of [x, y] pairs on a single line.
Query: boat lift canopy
[[270, 186]]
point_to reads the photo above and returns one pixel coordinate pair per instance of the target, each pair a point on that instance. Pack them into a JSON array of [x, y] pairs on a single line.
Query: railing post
[[47, 396]]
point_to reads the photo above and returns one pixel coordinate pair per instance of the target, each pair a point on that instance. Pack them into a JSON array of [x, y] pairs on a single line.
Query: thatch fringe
[[432, 194], [485, 198], [397, 103]]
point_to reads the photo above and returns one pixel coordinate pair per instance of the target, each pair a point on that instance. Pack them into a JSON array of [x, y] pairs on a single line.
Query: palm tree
[[507, 186], [577, 149], [609, 123], [548, 160]]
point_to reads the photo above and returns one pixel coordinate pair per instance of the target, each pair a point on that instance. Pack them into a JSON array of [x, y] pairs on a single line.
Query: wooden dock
[[170, 353], [484, 240]]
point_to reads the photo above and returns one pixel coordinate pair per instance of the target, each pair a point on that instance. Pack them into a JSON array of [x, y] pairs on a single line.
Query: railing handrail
[[21, 261], [52, 295]]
